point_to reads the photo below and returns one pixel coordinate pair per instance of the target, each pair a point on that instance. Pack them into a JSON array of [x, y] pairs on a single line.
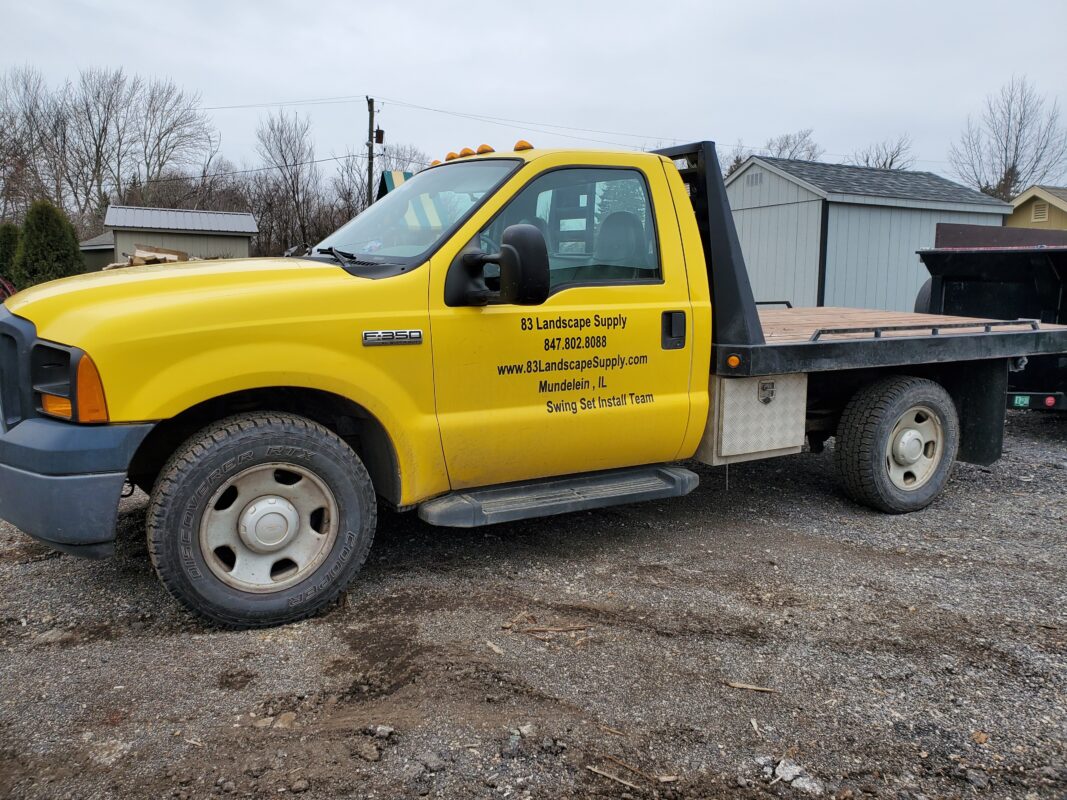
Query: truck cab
[[503, 336]]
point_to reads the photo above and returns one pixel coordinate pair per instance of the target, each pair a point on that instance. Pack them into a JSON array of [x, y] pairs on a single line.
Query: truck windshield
[[407, 224]]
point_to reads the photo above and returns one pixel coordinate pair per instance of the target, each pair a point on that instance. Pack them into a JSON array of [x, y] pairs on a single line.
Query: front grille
[[9, 385], [17, 336]]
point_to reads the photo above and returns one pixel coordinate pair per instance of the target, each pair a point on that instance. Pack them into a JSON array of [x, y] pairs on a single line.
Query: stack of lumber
[[148, 254]]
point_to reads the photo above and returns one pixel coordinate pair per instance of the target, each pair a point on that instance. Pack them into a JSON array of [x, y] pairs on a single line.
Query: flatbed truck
[[503, 336]]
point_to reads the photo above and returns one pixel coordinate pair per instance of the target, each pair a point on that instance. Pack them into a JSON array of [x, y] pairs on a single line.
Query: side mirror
[[523, 261]]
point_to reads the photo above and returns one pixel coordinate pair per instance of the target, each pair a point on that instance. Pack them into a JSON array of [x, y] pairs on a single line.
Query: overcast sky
[[854, 71]]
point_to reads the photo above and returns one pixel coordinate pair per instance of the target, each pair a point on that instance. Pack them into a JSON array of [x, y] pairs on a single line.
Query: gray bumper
[[67, 512], [61, 483]]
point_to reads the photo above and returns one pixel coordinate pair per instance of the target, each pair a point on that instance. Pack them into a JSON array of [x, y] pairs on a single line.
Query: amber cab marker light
[[484, 148], [435, 162], [56, 406], [733, 361], [451, 156], [466, 151], [522, 144], [92, 405]]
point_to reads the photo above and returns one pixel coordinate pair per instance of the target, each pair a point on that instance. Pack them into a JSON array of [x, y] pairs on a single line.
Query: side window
[[598, 225]]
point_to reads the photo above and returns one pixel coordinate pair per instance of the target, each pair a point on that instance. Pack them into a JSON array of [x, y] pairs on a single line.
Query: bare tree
[[800, 145], [740, 156], [1018, 141], [172, 132], [887, 154], [101, 109], [34, 142], [350, 183], [285, 144]]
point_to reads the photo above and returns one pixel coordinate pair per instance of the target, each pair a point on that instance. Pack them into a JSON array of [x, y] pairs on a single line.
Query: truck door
[[598, 376]]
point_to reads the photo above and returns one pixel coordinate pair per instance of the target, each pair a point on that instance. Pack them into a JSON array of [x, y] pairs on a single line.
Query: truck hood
[[174, 295]]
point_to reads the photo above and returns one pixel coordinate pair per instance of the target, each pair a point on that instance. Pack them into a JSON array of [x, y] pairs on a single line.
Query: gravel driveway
[[769, 640]]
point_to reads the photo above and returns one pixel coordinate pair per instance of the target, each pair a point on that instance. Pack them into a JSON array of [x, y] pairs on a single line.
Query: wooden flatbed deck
[[834, 339], [781, 325]]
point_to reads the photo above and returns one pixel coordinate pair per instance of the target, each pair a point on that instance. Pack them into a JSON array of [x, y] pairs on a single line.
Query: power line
[[249, 171], [552, 128]]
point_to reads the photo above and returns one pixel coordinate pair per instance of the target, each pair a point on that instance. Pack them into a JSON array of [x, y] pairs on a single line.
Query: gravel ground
[[605, 654]]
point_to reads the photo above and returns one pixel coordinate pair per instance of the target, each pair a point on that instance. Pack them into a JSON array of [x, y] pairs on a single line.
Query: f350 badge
[[376, 338]]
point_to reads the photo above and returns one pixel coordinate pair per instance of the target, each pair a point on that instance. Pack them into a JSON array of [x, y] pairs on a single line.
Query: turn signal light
[[56, 406], [733, 361], [92, 405], [466, 151], [451, 156], [484, 148], [522, 144]]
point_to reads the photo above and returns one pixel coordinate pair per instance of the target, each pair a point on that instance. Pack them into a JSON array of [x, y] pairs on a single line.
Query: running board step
[[542, 498]]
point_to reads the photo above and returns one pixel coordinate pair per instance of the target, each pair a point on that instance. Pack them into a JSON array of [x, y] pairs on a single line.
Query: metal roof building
[[201, 234], [839, 235]]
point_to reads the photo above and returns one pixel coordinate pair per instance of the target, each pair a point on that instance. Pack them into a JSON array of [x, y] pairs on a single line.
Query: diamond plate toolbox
[[754, 418]]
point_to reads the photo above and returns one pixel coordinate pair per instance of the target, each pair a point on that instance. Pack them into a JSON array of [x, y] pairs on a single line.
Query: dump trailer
[[1016, 273], [504, 335]]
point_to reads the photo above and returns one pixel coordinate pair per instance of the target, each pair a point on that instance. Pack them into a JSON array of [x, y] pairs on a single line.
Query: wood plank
[[799, 324]]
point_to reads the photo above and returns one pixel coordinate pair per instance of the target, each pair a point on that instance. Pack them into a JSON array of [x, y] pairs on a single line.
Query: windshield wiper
[[341, 256]]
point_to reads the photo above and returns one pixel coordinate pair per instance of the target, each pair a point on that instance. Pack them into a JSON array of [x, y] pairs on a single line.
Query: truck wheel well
[[978, 388], [353, 423]]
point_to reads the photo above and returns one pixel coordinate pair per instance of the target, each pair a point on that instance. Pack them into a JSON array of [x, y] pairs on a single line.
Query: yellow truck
[[506, 335]]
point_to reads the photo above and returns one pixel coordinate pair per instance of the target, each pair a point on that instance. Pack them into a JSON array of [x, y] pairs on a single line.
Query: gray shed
[[838, 235], [201, 234]]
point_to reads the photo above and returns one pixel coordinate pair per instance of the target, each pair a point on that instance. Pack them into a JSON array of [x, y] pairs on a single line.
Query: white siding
[[870, 253], [778, 224]]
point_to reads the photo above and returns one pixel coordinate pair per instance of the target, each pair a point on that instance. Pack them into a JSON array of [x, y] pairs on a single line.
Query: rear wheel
[[260, 519], [896, 442]]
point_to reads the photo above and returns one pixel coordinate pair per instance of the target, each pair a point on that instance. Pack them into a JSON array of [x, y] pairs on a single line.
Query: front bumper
[[61, 483]]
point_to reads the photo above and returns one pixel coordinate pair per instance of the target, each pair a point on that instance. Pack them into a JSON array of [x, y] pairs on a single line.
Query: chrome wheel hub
[[268, 524], [908, 447], [268, 527], [915, 448]]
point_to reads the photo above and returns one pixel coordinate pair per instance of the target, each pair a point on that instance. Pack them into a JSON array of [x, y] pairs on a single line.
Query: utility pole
[[370, 150]]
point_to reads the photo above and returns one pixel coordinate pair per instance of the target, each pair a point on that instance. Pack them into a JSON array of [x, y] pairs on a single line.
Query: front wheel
[[260, 519], [896, 442]]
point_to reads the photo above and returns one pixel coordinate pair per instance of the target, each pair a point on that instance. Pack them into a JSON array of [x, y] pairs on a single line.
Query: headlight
[[66, 384]]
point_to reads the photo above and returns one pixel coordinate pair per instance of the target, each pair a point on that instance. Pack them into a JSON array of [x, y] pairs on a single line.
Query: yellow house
[[1040, 207]]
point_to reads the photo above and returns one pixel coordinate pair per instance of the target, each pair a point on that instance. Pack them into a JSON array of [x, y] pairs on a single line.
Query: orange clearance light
[[451, 156], [466, 151], [522, 144], [733, 361], [435, 162], [56, 406], [484, 148], [92, 405]]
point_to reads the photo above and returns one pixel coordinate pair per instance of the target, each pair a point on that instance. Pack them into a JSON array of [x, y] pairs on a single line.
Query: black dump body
[[745, 346], [1007, 273]]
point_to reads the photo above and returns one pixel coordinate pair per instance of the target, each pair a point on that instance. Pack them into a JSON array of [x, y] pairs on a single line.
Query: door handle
[[673, 329]]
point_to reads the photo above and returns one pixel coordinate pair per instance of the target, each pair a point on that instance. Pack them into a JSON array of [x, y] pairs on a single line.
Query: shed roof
[[845, 179], [180, 219], [1057, 195], [105, 241]]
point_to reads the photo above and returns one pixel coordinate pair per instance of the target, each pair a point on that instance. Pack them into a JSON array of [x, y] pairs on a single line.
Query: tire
[[260, 519], [922, 299], [884, 426]]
